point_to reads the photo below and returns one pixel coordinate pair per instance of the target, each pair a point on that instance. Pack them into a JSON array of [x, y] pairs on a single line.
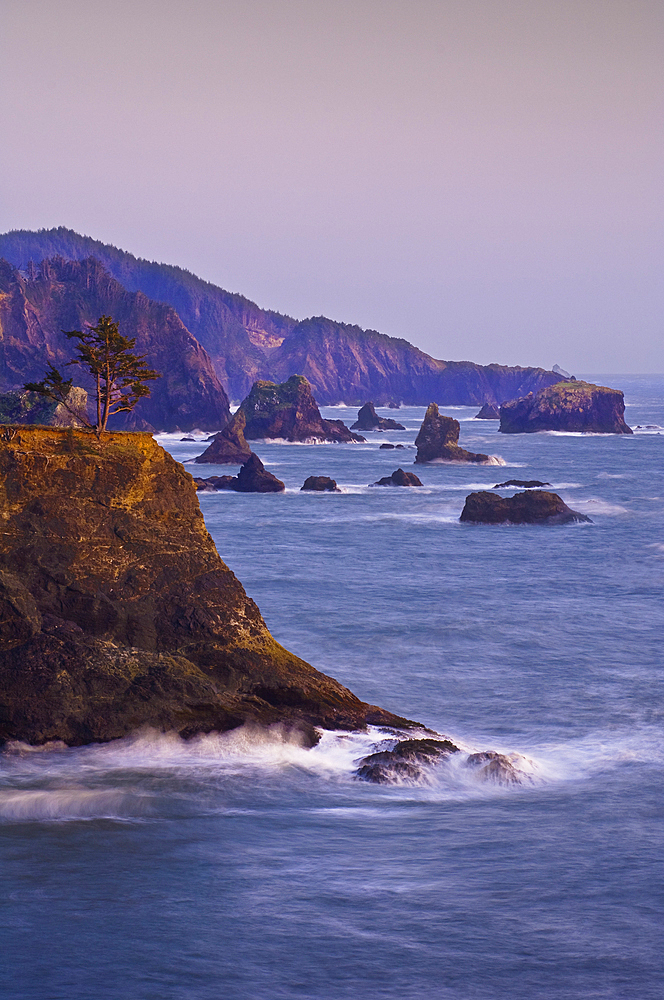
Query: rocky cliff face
[[116, 610], [64, 295], [567, 406], [342, 362], [289, 411], [437, 441]]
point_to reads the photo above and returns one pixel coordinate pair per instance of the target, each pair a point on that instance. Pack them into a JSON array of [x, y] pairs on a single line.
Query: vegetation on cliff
[[289, 411], [116, 610], [567, 406]]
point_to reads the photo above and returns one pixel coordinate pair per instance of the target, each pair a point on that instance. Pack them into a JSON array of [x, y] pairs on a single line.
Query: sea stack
[[288, 410], [438, 438], [229, 446], [533, 507], [368, 420], [117, 612], [566, 406]]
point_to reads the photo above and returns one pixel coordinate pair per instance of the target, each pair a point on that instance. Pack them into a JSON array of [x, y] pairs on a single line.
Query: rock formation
[[527, 484], [489, 411], [399, 478], [320, 484], [388, 447], [408, 760], [567, 406], [245, 342], [229, 446], [31, 408], [438, 438], [65, 295], [289, 411], [116, 610], [253, 477], [368, 420], [533, 507]]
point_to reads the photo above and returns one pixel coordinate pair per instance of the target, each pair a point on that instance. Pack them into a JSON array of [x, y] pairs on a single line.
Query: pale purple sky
[[481, 177]]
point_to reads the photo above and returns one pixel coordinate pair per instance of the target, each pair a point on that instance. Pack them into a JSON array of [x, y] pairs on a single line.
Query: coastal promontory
[[116, 610], [567, 406]]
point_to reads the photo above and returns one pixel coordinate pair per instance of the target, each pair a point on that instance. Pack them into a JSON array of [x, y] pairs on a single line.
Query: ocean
[[244, 867]]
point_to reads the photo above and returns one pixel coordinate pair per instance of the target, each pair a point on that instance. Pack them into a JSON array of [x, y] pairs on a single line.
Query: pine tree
[[118, 374]]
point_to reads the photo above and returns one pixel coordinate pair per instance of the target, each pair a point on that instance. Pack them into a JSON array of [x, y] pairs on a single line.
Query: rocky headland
[[116, 610], [567, 406], [368, 420], [437, 441], [533, 507]]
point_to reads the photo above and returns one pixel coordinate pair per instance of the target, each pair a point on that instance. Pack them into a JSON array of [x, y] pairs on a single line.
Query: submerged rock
[[229, 446], [288, 410], [496, 767], [536, 507], [489, 411], [116, 610], [528, 484], [409, 760], [399, 478], [438, 438], [368, 420], [566, 406], [320, 484]]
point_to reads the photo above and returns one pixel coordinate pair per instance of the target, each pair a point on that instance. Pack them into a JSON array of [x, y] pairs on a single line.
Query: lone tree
[[118, 374]]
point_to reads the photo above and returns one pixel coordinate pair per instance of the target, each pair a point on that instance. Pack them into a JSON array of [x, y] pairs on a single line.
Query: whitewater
[[245, 866]]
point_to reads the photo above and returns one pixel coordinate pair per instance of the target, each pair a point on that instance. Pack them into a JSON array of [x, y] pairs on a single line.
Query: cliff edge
[[116, 610]]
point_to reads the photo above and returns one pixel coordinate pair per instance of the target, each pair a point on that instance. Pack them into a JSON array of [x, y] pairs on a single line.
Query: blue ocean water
[[243, 866]]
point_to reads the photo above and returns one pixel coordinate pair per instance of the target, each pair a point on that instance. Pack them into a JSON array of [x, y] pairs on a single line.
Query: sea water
[[244, 866]]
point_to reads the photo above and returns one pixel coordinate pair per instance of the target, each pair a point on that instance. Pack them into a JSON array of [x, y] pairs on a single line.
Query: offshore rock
[[496, 767], [533, 507], [368, 420], [399, 478], [288, 410], [408, 760], [116, 610], [31, 408], [320, 484], [214, 483], [229, 446], [528, 484], [567, 406], [438, 438], [489, 411]]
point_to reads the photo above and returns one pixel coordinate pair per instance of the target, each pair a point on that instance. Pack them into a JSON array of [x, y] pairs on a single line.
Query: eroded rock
[[229, 446], [368, 420], [489, 411], [566, 406], [533, 507], [320, 484], [438, 438], [288, 410], [399, 478], [528, 484]]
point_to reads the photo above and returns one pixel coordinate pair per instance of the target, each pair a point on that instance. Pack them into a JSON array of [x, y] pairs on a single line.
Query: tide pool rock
[[533, 507], [438, 438], [528, 484], [117, 612], [368, 420], [566, 406], [399, 478], [288, 410], [320, 484]]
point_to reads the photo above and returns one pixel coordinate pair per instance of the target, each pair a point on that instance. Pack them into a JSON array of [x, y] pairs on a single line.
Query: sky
[[480, 177]]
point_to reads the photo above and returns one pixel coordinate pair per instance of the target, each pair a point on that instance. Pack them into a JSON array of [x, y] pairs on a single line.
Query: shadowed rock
[[536, 507], [489, 411], [229, 446], [116, 610], [528, 484], [368, 420], [320, 484], [438, 438], [566, 406], [399, 478]]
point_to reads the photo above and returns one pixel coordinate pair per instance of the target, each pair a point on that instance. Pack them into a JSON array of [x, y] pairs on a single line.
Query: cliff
[[65, 295], [246, 343], [567, 406], [116, 610], [289, 411]]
